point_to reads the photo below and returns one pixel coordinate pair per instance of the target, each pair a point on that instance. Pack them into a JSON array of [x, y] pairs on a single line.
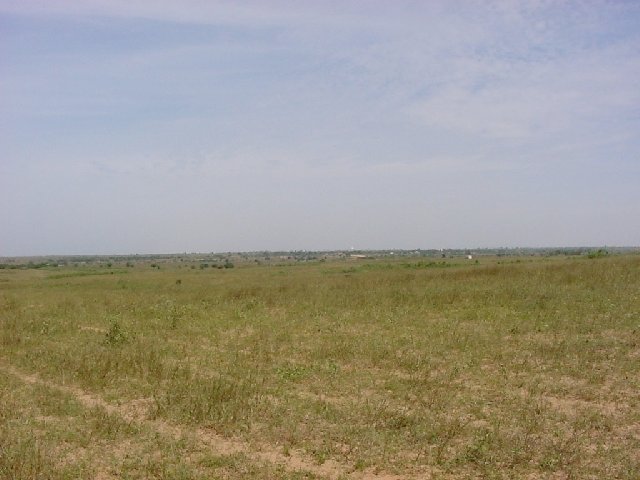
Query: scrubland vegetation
[[408, 368]]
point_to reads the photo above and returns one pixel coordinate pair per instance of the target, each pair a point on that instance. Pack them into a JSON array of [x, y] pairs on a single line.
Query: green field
[[408, 368]]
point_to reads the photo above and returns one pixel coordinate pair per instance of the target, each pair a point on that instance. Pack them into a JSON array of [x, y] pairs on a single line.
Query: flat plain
[[406, 368]]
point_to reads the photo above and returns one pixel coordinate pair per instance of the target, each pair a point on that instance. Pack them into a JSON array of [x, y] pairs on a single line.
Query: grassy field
[[384, 369]]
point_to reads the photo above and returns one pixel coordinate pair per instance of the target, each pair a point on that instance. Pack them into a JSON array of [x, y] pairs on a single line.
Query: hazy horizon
[[155, 127], [476, 250]]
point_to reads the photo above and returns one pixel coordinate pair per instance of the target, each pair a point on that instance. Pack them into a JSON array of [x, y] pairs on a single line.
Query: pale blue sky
[[165, 126]]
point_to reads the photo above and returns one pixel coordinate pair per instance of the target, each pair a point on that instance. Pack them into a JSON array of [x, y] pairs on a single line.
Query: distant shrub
[[422, 264], [598, 253]]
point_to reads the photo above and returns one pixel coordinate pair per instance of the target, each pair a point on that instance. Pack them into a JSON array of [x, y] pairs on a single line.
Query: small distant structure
[[357, 256], [469, 257]]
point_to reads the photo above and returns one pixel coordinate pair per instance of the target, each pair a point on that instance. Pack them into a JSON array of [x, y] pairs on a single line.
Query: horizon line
[[350, 249]]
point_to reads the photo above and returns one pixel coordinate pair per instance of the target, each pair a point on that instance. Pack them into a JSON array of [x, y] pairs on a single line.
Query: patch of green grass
[[84, 273]]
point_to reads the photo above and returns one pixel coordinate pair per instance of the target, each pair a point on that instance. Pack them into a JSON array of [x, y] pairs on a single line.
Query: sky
[[157, 126]]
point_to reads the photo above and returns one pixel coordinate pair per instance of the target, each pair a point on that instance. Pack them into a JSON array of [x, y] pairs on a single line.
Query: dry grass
[[328, 370]]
